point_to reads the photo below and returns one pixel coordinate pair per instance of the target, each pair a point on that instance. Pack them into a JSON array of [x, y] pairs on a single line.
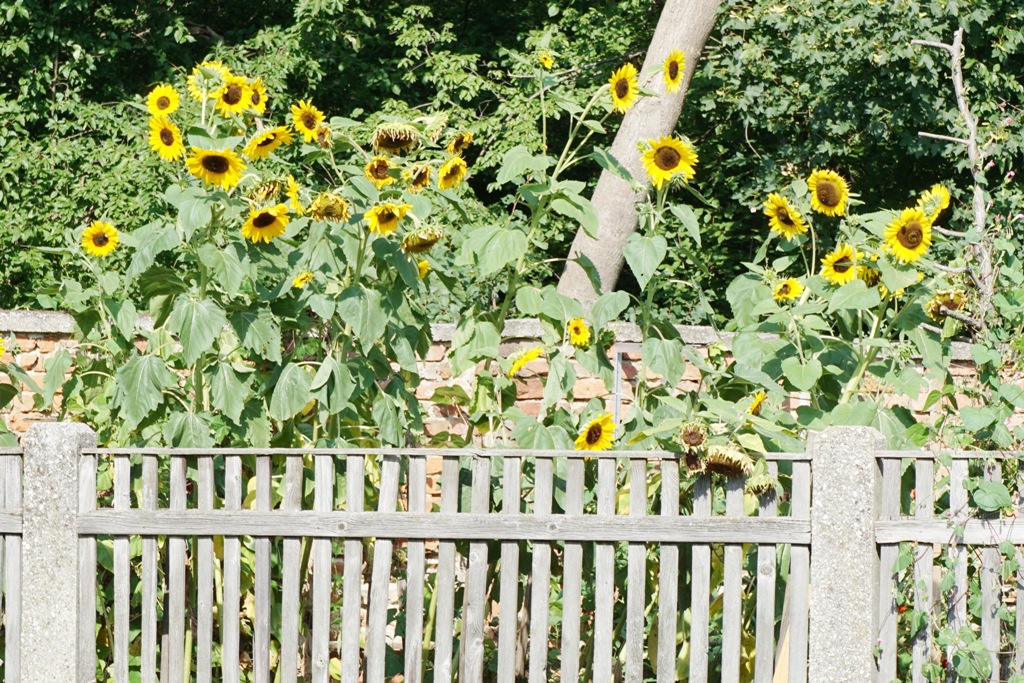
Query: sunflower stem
[[858, 375]]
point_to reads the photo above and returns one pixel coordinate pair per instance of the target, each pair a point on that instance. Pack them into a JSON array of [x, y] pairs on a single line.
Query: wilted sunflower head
[[692, 437], [263, 193], [909, 235], [418, 177], [221, 168], [422, 240], [597, 435], [383, 219], [460, 143], [729, 460], [302, 279], [378, 171], [761, 484], [395, 138], [234, 96], [757, 402], [324, 137], [934, 201], [521, 358], [329, 207], [100, 239], [451, 174], [829, 192], [945, 300], [294, 200], [624, 88], [783, 218], [423, 268], [163, 100], [673, 70], [206, 79], [266, 142]]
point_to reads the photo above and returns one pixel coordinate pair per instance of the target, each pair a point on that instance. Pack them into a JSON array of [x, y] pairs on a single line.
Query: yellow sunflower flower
[[784, 219], [451, 174], [395, 138], [99, 239], [207, 78], [423, 267], [165, 138], [3, 346], [258, 96], [579, 333], [460, 143], [294, 200], [383, 219], [546, 61], [757, 403], [223, 168], [377, 171], [324, 137], [829, 193], [306, 118], [422, 240], [908, 237], [625, 90], [597, 435], [840, 266], [521, 358], [329, 207], [233, 97], [302, 279], [933, 202], [672, 72], [667, 157], [948, 299], [788, 290], [163, 100], [266, 142], [418, 177], [266, 224], [265, 192]]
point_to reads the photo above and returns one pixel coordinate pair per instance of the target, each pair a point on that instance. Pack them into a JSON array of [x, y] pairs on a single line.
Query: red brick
[[589, 388], [529, 389]]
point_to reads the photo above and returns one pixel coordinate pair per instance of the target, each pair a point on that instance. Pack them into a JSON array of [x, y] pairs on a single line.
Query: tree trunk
[[685, 25]]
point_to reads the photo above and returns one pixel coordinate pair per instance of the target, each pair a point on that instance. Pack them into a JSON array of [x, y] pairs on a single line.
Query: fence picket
[[991, 595], [415, 576], [10, 642], [176, 579], [924, 487], [352, 598], [323, 501], [957, 606], [444, 582], [636, 577], [732, 588], [150, 487], [572, 572], [604, 576], [540, 577], [887, 616], [668, 578], [474, 611], [764, 635], [799, 576], [86, 566], [291, 580], [204, 579], [12, 576], [122, 627], [700, 586], [381, 578], [1019, 593], [229, 619], [261, 627], [508, 624]]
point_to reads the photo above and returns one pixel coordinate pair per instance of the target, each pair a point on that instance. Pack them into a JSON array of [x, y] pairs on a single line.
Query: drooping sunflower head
[[383, 218], [223, 168], [264, 193], [266, 142], [163, 100], [829, 192], [165, 138], [302, 279], [761, 484], [908, 237], [693, 436], [100, 239], [840, 266], [869, 275], [266, 224], [422, 268], [933, 202], [788, 289], [234, 97], [597, 435], [294, 199], [206, 79], [258, 96], [521, 358], [378, 171], [783, 218], [624, 88], [395, 138], [306, 118], [418, 177], [422, 240], [579, 333], [460, 143], [324, 136], [547, 62], [451, 173], [729, 460], [945, 300], [757, 402], [668, 157], [329, 207], [675, 67]]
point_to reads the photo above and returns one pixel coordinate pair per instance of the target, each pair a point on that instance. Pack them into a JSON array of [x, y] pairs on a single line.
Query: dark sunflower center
[[594, 434], [459, 145], [693, 438], [952, 303], [167, 137], [621, 88], [910, 235], [420, 178], [783, 215], [452, 173], [842, 266], [233, 95], [784, 290], [827, 193], [100, 239], [323, 135], [309, 121], [163, 103], [214, 163], [576, 330], [269, 140], [386, 216], [666, 158], [264, 220], [256, 97], [379, 171], [673, 70]]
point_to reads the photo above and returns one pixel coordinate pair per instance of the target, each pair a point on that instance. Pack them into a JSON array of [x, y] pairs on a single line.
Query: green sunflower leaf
[[189, 430], [362, 309], [578, 208], [644, 255], [803, 376], [139, 388], [291, 393], [228, 393], [197, 322], [225, 264], [259, 332], [854, 295], [609, 163]]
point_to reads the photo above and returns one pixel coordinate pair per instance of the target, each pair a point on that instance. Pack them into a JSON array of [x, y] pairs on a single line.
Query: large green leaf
[[189, 430], [492, 248], [644, 255], [362, 309], [194, 211], [291, 393], [609, 163], [803, 376], [225, 264], [578, 208], [854, 295], [518, 162], [608, 307], [665, 357], [259, 332], [197, 322], [228, 392], [688, 218], [139, 387], [151, 240], [332, 385], [56, 369]]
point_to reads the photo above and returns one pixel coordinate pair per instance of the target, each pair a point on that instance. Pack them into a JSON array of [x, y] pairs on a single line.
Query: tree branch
[[973, 322], [946, 138]]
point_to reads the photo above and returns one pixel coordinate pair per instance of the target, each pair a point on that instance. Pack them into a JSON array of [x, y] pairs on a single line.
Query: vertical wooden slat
[[176, 578], [924, 497], [86, 567], [541, 575], [799, 576], [444, 584], [957, 607], [572, 575], [991, 597], [204, 578], [604, 580], [1019, 608], [12, 572], [10, 642], [888, 553], [764, 635], [508, 624], [700, 586], [636, 576], [291, 581], [668, 577], [150, 485], [261, 629], [732, 589], [122, 579], [323, 501], [415, 575], [352, 598], [229, 619], [474, 610], [382, 556]]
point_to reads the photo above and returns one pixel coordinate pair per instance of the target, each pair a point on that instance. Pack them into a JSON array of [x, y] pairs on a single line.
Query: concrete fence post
[[49, 561], [846, 485]]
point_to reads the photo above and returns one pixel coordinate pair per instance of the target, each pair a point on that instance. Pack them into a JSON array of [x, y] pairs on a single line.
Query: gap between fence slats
[[508, 617], [475, 608], [323, 501], [700, 585], [176, 580], [150, 486], [380, 580], [444, 581], [122, 581], [799, 576], [540, 576], [636, 577], [229, 619], [355, 470], [924, 498], [764, 630], [12, 577], [415, 576], [86, 567], [991, 596], [889, 509], [204, 579], [261, 627], [604, 579], [292, 579], [732, 588], [572, 576], [668, 578]]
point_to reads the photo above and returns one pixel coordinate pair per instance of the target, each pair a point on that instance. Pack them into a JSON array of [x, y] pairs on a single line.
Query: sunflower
[[418, 177], [667, 157], [207, 78], [521, 358], [839, 267], [395, 138], [233, 97], [223, 168], [788, 290], [423, 267], [266, 142], [729, 460], [163, 100], [948, 299], [597, 435], [377, 171], [693, 436], [302, 279], [324, 137], [546, 61], [266, 192], [294, 200], [421, 240], [165, 138], [329, 207], [3, 346], [757, 403], [933, 202], [829, 193], [99, 239], [451, 174], [266, 224], [784, 219], [909, 236], [579, 333], [625, 90], [306, 118], [258, 96], [383, 219], [460, 143], [675, 66]]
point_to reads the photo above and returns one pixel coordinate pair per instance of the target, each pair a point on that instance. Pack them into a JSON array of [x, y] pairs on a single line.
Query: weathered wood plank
[[12, 573], [636, 577], [86, 567], [444, 583], [764, 630], [229, 619], [889, 508], [323, 501], [540, 577], [355, 470], [799, 576], [416, 555], [924, 487], [176, 578], [261, 627], [604, 579], [381, 578], [572, 577], [291, 579], [122, 578], [10, 641], [150, 488], [991, 595], [668, 578], [700, 585], [956, 616], [204, 579], [1019, 608], [508, 622], [473, 611], [732, 588]]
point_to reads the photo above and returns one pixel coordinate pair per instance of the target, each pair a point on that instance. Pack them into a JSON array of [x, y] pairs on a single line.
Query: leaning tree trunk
[[685, 25]]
